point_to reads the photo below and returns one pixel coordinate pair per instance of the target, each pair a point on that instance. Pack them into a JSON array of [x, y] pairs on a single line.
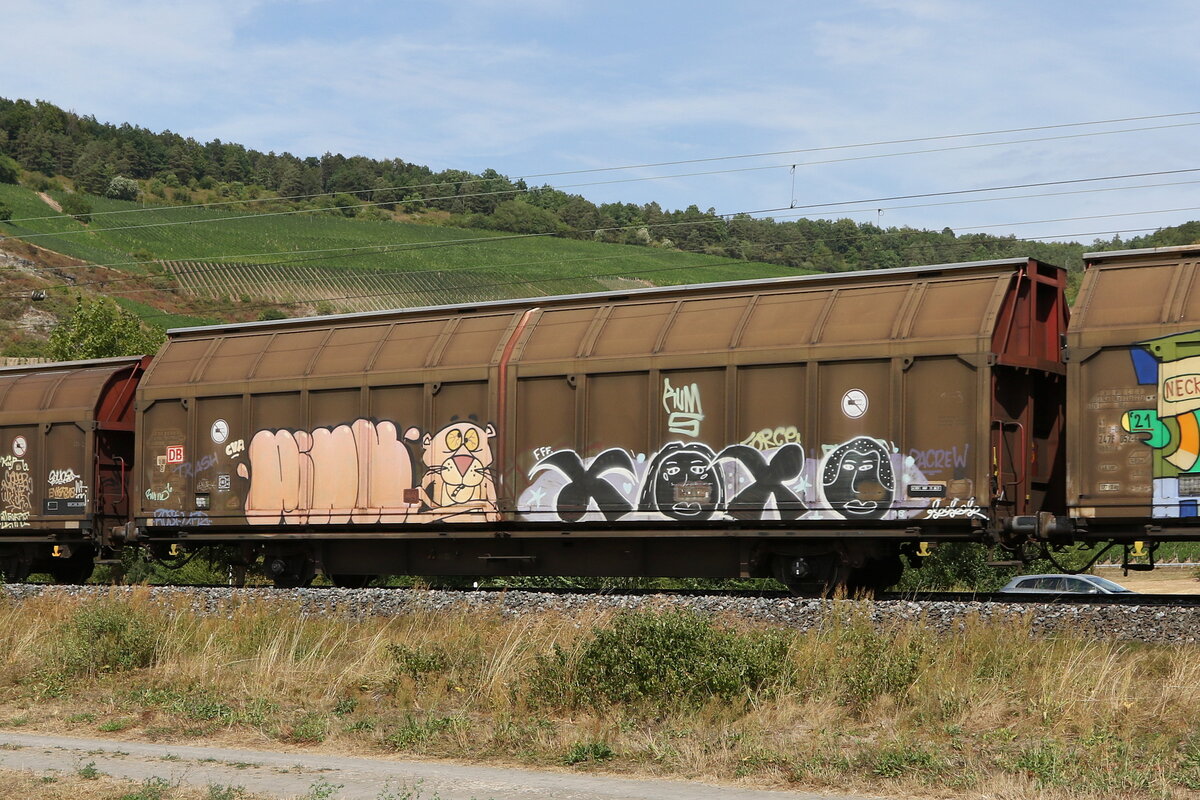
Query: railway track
[[1023, 598]]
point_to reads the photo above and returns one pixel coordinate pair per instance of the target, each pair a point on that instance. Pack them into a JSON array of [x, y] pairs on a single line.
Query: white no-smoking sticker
[[20, 446]]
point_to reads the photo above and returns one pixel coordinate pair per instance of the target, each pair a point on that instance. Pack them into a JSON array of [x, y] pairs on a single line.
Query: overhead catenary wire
[[515, 191], [674, 163], [880, 143], [324, 254], [485, 267], [532, 281], [829, 204]]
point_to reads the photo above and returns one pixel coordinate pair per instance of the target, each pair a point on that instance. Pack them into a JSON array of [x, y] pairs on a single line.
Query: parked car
[[1064, 584]]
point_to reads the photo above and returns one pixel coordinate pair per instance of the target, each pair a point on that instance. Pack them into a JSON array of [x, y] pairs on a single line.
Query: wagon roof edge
[[858, 275]]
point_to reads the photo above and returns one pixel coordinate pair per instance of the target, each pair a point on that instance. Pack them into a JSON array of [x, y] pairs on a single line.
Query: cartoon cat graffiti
[[458, 478]]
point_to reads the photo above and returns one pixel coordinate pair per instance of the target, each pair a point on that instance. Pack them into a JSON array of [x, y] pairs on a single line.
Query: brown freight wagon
[[812, 428], [66, 461], [1134, 374]]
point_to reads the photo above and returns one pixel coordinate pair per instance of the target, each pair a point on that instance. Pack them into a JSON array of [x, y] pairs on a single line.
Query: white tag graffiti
[[683, 405], [60, 476], [968, 508]]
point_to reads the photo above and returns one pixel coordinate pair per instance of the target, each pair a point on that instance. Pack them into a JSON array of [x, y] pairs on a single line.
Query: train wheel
[[289, 571], [343, 581], [821, 575]]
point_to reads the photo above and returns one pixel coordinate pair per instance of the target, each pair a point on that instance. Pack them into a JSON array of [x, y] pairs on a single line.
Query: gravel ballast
[[1154, 623]]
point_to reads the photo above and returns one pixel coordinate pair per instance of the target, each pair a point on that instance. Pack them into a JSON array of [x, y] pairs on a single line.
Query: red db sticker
[[175, 454]]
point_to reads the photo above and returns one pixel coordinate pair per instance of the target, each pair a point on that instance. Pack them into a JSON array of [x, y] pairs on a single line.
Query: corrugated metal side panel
[[838, 403]]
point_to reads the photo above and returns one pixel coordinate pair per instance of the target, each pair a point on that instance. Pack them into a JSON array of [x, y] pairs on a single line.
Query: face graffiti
[[682, 482], [857, 479]]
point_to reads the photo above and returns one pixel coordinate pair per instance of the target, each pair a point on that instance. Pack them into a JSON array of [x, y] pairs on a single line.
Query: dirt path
[[50, 201], [291, 774]]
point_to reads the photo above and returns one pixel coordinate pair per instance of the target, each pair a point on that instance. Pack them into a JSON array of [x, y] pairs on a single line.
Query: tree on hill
[[78, 207], [10, 171], [99, 328]]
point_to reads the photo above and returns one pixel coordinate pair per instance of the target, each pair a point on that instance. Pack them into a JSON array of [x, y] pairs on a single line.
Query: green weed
[[418, 661], [902, 758], [311, 727], [321, 789], [414, 732], [151, 789], [116, 725], [588, 751]]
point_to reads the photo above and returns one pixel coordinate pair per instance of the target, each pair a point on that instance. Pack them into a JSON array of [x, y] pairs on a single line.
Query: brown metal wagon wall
[[66, 455], [1134, 362], [856, 401]]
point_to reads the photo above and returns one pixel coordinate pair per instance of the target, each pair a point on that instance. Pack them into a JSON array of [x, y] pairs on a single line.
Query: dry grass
[[988, 711], [28, 785]]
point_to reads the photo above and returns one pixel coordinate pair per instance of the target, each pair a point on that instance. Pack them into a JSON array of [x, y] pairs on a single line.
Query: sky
[[535, 87]]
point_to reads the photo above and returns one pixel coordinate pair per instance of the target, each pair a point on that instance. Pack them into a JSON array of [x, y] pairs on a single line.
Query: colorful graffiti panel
[[1172, 428]]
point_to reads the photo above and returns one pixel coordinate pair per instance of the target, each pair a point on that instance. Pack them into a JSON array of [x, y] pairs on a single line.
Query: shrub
[[5, 212], [671, 659], [874, 663], [77, 206], [414, 732], [311, 727], [99, 328], [897, 759], [122, 188], [105, 637]]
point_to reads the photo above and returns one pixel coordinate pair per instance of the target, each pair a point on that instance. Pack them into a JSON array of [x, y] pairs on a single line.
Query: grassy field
[[989, 711], [237, 256]]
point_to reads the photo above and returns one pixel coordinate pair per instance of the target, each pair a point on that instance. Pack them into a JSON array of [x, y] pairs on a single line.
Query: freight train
[[815, 429]]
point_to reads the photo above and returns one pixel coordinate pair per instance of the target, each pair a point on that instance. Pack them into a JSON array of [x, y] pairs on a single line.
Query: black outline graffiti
[[786, 464], [585, 484]]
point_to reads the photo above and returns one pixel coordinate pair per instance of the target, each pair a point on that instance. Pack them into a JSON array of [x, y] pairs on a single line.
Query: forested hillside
[[220, 231], [104, 159]]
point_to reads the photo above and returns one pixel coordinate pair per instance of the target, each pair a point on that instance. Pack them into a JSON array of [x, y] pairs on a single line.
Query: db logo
[[175, 454]]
